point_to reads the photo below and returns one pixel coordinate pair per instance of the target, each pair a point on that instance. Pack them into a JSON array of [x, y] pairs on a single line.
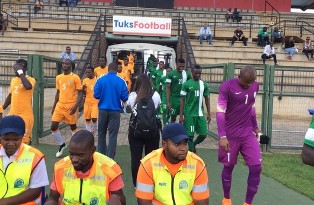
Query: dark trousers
[[241, 39], [108, 120], [264, 57], [306, 52], [148, 143], [262, 41]]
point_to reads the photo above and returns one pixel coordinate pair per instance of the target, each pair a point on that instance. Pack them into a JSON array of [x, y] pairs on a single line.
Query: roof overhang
[[302, 4]]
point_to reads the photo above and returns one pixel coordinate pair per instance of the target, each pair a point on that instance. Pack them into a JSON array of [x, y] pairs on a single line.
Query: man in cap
[[24, 166], [172, 174]]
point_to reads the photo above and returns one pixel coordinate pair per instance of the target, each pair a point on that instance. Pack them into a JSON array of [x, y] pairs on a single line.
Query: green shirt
[[176, 79], [157, 76], [194, 91], [152, 70], [164, 87]]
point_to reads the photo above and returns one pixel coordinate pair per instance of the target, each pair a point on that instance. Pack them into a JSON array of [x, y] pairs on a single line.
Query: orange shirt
[[1, 109], [21, 99], [128, 70], [123, 76], [68, 86], [145, 176], [99, 72], [89, 88]]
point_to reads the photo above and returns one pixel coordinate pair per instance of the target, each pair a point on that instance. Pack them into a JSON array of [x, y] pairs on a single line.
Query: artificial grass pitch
[[270, 191]]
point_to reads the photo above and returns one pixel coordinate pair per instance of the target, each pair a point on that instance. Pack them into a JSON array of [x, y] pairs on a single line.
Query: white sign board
[[144, 26]]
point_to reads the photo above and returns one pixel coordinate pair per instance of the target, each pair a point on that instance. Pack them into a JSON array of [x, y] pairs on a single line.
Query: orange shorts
[[62, 114], [29, 123], [90, 111]]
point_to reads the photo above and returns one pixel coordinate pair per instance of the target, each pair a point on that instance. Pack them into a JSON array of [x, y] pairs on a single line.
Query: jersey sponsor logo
[[162, 184], [183, 185], [18, 183]]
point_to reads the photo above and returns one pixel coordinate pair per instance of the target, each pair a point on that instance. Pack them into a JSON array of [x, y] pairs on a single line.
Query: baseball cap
[[175, 132], [12, 123]]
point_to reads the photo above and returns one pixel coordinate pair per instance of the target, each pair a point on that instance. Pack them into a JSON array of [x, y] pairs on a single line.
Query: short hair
[[67, 47], [89, 67], [181, 60], [113, 67], [196, 66], [23, 62], [84, 137]]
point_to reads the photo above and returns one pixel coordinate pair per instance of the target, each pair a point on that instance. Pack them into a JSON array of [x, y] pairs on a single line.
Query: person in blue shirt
[[110, 90]]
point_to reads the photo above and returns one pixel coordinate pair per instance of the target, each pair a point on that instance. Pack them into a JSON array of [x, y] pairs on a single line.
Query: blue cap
[[175, 132], [12, 123]]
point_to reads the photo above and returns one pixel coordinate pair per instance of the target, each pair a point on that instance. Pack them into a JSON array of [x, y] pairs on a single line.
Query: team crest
[[69, 82], [93, 201], [18, 183], [183, 184]]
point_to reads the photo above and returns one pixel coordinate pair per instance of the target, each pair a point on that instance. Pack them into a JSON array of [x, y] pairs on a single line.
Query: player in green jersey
[[162, 92], [174, 81], [158, 74], [308, 146], [191, 107]]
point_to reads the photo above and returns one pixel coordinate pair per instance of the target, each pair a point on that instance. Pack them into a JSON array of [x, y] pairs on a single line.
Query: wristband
[[222, 137], [19, 72]]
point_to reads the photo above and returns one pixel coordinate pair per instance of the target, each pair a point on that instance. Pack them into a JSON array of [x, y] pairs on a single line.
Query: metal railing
[[187, 45], [267, 4], [10, 21]]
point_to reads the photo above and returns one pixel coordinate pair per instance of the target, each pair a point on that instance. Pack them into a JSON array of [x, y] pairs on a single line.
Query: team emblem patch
[[183, 185], [70, 82], [18, 183], [93, 201]]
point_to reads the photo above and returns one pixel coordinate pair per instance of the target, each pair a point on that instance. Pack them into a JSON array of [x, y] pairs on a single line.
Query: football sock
[[88, 126], [57, 136], [226, 176], [253, 182], [199, 139]]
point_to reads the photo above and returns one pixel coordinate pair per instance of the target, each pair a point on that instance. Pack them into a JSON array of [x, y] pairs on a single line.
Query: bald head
[[247, 76], [83, 137]]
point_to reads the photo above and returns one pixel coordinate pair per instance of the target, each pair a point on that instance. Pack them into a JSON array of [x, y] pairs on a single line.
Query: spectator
[[61, 2], [38, 6], [65, 108], [263, 37], [21, 90], [101, 175], [23, 168], [68, 54], [269, 52], [276, 36], [102, 69], [149, 141], [110, 90], [238, 36], [229, 14], [308, 48], [289, 48], [236, 15], [174, 168], [2, 23], [206, 34]]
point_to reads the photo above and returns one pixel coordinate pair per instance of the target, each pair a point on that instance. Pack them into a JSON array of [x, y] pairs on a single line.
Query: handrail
[[10, 19], [188, 47], [272, 9], [86, 56]]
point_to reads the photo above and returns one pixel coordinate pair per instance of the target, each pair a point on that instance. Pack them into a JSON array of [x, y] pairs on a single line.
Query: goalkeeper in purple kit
[[238, 131]]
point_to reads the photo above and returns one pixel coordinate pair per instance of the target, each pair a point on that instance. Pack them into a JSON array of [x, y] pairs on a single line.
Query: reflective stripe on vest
[[17, 175], [173, 190], [91, 190]]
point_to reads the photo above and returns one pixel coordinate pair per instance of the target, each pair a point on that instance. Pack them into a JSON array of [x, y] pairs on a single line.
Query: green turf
[[290, 171], [270, 192]]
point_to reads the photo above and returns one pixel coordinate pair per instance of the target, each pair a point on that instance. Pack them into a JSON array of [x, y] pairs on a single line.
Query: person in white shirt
[[142, 142], [269, 52], [206, 34]]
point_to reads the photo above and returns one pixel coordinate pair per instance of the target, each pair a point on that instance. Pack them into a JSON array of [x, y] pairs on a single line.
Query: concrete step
[[59, 25], [47, 35], [5, 39]]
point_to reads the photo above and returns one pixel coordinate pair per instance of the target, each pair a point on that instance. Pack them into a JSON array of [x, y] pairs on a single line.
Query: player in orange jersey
[[122, 74], [102, 69], [21, 90], [129, 70], [90, 104], [131, 59], [68, 97]]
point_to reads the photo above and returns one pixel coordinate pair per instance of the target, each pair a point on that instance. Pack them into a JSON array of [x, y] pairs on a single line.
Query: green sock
[[199, 139]]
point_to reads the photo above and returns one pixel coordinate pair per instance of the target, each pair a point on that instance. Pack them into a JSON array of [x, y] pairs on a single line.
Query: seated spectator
[[238, 36], [276, 36], [2, 23], [38, 6], [236, 15], [308, 48], [269, 52], [68, 54], [263, 37], [229, 14], [61, 2], [289, 48], [206, 34]]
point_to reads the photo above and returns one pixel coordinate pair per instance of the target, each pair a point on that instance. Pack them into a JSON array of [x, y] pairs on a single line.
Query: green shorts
[[196, 124], [175, 105]]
